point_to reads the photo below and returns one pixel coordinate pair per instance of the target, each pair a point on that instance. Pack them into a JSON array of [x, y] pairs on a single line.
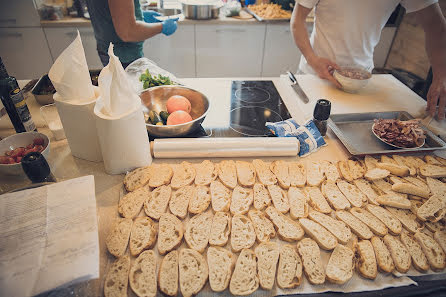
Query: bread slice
[[342, 233], [137, 178], [440, 237], [280, 169], [193, 272], [345, 170], [376, 173], [287, 229], [352, 193], [142, 275], [394, 201], [289, 270], [298, 203], [142, 236], [340, 265], [419, 259], [130, 205], [179, 202], [419, 182], [197, 231], [220, 262], [243, 235], [227, 172], [382, 254], [220, 229], [200, 200], [334, 196], [434, 226], [370, 162], [433, 209], [400, 255], [264, 174], [434, 253], [170, 233], [118, 239], [162, 174], [311, 260], [183, 175], [407, 219], [436, 187], [383, 187], [356, 169], [402, 162], [331, 172], [366, 188], [357, 226], [220, 196], [415, 161], [395, 169], [244, 280], [241, 200], [263, 227], [366, 260], [433, 171], [441, 160], [205, 173], [246, 173], [298, 174], [370, 220], [168, 274], [407, 188], [279, 198], [261, 196], [315, 174], [432, 160], [267, 254], [158, 201], [117, 278], [392, 223], [387, 159], [322, 236], [317, 200]]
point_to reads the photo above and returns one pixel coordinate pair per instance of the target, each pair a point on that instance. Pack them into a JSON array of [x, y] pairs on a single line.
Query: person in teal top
[[123, 23]]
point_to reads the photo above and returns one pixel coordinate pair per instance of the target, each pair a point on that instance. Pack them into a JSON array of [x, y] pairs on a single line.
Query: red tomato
[[18, 152], [18, 159], [38, 141], [11, 160]]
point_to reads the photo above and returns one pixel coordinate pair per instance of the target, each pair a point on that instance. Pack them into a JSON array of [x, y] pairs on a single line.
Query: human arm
[[322, 66], [434, 26]]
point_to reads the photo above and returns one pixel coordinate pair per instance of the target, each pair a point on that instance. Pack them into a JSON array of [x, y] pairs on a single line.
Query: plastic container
[[52, 119]]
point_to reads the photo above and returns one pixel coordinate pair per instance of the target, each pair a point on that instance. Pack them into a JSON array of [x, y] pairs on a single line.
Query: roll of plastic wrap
[[225, 147]]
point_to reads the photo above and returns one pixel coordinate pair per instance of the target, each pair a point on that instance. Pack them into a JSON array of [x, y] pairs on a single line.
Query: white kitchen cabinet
[[229, 50], [18, 13], [59, 38], [383, 47], [280, 52], [174, 53], [25, 52]]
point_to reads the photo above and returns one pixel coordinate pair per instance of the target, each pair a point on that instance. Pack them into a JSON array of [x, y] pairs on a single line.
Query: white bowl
[[352, 85], [20, 140]]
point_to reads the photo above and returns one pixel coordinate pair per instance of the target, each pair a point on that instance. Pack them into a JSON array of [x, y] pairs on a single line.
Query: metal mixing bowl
[[155, 99]]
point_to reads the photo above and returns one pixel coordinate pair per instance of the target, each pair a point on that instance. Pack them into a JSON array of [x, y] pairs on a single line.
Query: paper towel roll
[[124, 141], [79, 124], [225, 147]]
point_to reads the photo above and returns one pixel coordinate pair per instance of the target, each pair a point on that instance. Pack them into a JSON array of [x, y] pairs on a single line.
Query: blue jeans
[[105, 58]]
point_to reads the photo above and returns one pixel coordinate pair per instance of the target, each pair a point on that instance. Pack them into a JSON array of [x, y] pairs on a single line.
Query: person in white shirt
[[345, 32]]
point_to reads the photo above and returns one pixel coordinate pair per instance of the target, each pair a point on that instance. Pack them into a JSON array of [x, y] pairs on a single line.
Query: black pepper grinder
[[36, 168], [321, 114]]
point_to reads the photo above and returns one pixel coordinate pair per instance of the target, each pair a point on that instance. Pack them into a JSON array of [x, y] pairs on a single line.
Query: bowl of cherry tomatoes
[[14, 147]]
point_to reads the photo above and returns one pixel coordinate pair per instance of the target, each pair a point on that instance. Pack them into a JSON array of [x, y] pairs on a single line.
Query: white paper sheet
[[49, 237]]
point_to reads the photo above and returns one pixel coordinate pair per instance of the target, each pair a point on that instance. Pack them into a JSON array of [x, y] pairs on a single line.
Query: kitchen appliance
[[201, 10], [297, 88]]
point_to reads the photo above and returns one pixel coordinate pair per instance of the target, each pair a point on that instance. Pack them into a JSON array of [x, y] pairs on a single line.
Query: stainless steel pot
[[201, 11]]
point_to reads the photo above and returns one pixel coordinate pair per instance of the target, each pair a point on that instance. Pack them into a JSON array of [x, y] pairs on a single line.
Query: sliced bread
[[200, 200], [407, 188], [387, 159], [441, 160], [161, 175], [183, 175], [197, 231], [264, 174], [407, 219], [370, 220], [370, 162], [345, 170], [416, 162], [279, 198], [357, 226], [168, 274], [436, 187], [227, 173], [241, 200], [317, 200], [287, 229], [342, 233], [340, 265], [267, 254], [220, 196], [366, 260], [220, 228], [352, 193], [244, 280], [433, 251], [402, 162], [376, 173], [434, 226], [117, 278], [315, 174], [331, 172], [322, 236], [137, 178], [392, 223], [246, 173], [357, 170], [280, 169], [261, 197], [220, 262], [395, 169], [334, 196], [170, 233], [432, 160], [130, 205], [142, 277], [179, 202], [311, 259], [289, 270], [142, 236], [298, 174], [193, 272], [263, 227], [158, 201], [205, 173], [394, 201], [298, 203], [400, 255], [366, 188], [440, 237], [243, 235], [419, 182], [382, 254], [419, 259], [433, 209], [118, 239]]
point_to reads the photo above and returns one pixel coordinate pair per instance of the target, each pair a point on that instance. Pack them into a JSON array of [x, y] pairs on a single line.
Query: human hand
[[169, 26], [149, 16], [324, 69], [437, 95]]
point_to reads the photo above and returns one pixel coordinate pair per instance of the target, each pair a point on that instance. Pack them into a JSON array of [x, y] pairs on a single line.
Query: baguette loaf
[[407, 219], [200, 200], [317, 200], [137, 178], [206, 172], [298, 203], [324, 239], [352, 193], [340, 265], [246, 173], [261, 197], [287, 229], [334, 196], [395, 169], [330, 171], [241, 200], [370, 220], [244, 280], [370, 162], [161, 175], [220, 195], [117, 278], [356, 169], [392, 223], [168, 274], [298, 174], [221, 262], [433, 251], [407, 188], [400, 255], [383, 257], [289, 270], [433, 171], [263, 227], [130, 205], [170, 233], [402, 162], [142, 275], [315, 174], [345, 170], [281, 171], [118, 239], [366, 261], [394, 201], [197, 231], [366, 188], [419, 259], [337, 228], [279, 198], [179, 202], [433, 209], [243, 234], [142, 236], [193, 272], [311, 260], [227, 172], [220, 229], [157, 203], [267, 254], [436, 187], [357, 226], [376, 173], [183, 175], [264, 174], [440, 237]]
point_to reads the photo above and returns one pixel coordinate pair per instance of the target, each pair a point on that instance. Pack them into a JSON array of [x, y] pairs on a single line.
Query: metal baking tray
[[260, 19], [354, 130]]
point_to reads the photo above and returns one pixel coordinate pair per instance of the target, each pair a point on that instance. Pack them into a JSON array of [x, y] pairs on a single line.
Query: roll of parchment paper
[[225, 147]]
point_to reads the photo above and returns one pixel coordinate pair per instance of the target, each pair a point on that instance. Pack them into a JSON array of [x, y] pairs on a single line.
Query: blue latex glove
[[169, 26], [149, 16]]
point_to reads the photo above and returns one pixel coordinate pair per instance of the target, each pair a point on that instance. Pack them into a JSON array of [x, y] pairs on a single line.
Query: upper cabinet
[[18, 13]]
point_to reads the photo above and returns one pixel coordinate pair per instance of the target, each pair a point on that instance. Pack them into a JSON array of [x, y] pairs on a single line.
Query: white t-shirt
[[347, 31]]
